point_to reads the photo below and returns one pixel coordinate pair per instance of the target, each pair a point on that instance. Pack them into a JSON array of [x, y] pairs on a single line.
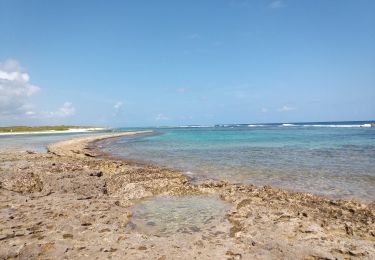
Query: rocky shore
[[74, 203]]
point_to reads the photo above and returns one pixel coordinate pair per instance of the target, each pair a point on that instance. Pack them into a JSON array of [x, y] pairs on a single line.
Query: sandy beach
[[75, 202]]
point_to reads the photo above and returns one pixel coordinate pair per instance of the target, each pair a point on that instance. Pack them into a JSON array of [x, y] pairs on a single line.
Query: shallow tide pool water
[[166, 215]]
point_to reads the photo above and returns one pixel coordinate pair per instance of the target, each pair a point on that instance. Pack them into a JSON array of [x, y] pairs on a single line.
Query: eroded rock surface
[[71, 204]]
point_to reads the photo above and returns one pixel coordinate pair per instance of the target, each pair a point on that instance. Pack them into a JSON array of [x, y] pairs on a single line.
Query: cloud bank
[[67, 109], [16, 93], [15, 90]]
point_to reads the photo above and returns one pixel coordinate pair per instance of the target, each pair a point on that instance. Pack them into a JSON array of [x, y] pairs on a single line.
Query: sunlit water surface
[[333, 160]]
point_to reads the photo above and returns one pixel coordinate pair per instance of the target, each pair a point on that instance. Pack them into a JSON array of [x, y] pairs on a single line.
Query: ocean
[[334, 159]]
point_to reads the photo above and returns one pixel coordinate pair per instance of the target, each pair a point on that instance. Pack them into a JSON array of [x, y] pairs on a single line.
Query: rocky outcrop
[[23, 182], [73, 203]]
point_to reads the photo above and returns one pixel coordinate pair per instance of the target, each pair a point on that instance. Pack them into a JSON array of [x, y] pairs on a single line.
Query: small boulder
[[24, 182]]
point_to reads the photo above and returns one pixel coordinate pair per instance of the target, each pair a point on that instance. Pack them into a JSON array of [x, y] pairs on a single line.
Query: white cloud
[[264, 110], [15, 90], [118, 107], [277, 4], [30, 113], [161, 117], [67, 109], [285, 108]]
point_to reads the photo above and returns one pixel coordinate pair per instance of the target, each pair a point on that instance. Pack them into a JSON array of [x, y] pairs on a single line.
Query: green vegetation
[[11, 129]]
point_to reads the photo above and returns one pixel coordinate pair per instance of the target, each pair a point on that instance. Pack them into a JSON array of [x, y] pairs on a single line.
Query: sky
[[157, 63]]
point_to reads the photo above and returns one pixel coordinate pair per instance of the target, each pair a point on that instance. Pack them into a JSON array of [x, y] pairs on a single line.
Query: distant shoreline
[[52, 131]]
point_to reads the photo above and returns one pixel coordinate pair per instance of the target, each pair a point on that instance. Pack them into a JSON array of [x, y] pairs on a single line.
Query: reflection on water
[[164, 215]]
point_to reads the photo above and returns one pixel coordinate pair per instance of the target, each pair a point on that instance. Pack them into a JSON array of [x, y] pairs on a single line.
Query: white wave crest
[[195, 126], [340, 126]]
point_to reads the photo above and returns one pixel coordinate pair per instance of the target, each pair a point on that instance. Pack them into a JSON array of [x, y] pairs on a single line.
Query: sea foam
[[343, 126]]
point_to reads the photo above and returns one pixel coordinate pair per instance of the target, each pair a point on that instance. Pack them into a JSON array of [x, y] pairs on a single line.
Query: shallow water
[[336, 160], [165, 215]]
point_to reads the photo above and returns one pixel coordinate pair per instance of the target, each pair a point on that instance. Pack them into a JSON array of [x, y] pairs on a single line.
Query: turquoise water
[[332, 159]]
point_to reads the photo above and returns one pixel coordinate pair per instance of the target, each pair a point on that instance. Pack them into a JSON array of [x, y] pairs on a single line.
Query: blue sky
[[145, 63]]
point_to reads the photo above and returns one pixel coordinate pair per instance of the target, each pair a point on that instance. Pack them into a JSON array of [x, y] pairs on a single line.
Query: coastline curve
[[84, 192]]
